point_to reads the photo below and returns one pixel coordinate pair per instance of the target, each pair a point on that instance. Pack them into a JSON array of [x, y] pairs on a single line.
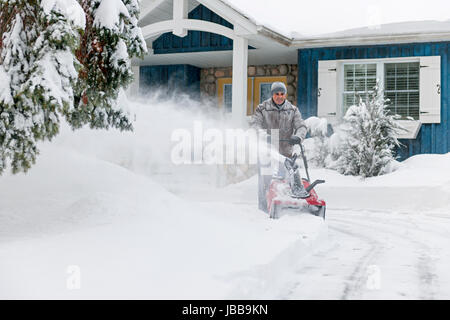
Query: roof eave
[[273, 35], [370, 40]]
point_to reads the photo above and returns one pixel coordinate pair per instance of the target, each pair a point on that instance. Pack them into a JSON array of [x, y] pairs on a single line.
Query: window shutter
[[327, 91], [430, 89]]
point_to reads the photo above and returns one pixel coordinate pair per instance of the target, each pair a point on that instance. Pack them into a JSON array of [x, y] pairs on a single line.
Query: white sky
[[314, 17]]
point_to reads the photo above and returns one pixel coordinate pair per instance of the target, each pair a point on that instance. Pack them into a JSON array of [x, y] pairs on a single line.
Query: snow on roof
[[249, 16], [323, 19], [416, 27], [326, 18]]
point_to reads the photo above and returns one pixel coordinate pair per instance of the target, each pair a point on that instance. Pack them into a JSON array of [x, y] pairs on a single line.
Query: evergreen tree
[[58, 58], [112, 37], [370, 137]]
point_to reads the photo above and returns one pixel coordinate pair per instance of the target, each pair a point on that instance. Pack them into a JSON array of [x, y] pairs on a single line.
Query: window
[[227, 97], [358, 80], [399, 79], [264, 91], [402, 88]]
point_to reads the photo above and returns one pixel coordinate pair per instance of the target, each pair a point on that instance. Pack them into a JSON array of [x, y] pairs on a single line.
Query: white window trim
[[412, 126]]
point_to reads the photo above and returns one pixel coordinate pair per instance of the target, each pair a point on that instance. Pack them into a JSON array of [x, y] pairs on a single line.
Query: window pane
[[371, 70], [360, 85], [227, 97], [360, 70], [349, 100], [413, 83], [349, 85], [371, 83], [264, 91], [358, 80], [349, 70], [401, 83], [390, 83]]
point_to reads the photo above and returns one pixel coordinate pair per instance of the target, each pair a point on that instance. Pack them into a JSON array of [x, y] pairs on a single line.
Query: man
[[278, 113]]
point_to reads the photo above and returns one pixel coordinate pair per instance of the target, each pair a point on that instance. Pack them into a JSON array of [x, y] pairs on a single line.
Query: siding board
[[179, 78], [195, 41]]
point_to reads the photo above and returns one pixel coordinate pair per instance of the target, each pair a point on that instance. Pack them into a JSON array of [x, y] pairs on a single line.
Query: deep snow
[[137, 226], [92, 201]]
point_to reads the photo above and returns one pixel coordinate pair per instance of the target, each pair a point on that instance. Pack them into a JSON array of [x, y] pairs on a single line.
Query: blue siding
[[180, 78], [432, 138], [195, 41]]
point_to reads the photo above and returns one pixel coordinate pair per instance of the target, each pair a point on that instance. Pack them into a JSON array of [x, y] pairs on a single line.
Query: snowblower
[[279, 195]]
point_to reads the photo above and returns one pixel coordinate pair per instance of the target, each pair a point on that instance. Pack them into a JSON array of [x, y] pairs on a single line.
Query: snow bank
[[92, 201], [418, 185]]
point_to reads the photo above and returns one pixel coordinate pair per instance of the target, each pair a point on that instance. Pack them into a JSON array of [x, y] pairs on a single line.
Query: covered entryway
[[161, 17]]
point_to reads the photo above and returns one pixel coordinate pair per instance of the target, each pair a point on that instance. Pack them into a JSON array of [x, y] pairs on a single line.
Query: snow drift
[[93, 201]]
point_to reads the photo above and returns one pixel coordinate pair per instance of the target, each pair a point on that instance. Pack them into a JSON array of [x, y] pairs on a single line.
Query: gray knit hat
[[278, 87]]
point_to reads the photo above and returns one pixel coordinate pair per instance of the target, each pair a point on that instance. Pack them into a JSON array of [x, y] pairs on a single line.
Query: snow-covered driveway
[[377, 255], [388, 238]]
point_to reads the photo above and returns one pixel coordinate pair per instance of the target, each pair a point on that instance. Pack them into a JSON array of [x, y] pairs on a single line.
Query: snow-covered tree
[[112, 37], [370, 137], [62, 58], [37, 59]]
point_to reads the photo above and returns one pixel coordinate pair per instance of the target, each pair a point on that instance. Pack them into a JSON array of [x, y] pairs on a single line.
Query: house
[[211, 49]]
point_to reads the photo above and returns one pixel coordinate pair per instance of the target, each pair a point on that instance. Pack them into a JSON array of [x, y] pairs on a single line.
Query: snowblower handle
[[304, 160], [303, 157]]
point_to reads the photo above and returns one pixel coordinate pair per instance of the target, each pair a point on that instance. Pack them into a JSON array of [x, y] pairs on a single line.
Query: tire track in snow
[[334, 270], [428, 280], [358, 277], [290, 291]]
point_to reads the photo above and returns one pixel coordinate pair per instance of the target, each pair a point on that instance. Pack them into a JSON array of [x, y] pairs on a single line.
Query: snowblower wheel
[[321, 212]]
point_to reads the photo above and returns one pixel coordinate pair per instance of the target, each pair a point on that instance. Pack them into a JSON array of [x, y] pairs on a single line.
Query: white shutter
[[430, 89], [327, 91]]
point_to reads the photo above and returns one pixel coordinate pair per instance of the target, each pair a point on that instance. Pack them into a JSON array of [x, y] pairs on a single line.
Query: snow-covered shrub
[[368, 137], [335, 146], [317, 146]]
